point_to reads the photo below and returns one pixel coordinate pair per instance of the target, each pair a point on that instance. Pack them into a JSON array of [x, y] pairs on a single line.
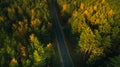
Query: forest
[[91, 31]]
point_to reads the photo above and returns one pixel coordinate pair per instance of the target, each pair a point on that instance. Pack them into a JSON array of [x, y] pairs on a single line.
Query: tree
[[18, 19], [36, 52], [89, 48], [114, 62], [96, 24]]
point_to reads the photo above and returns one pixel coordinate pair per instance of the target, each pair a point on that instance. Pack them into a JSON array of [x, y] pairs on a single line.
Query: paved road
[[64, 54]]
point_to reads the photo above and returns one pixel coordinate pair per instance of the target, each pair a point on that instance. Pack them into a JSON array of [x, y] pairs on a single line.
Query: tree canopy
[[95, 26]]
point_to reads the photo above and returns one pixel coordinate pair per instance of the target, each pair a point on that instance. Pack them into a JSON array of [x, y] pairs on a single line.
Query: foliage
[[93, 26], [37, 52], [97, 25], [25, 31], [114, 62], [89, 48]]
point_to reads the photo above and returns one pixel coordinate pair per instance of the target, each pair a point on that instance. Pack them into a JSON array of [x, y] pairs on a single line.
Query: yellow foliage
[[95, 53], [97, 21], [37, 57], [95, 7], [32, 13], [82, 5], [74, 2], [49, 45], [13, 63], [102, 1], [20, 23], [49, 25], [11, 13], [10, 10], [14, 60], [32, 37], [75, 13], [1, 18], [111, 12], [35, 22], [20, 28], [23, 51], [85, 12], [64, 7]]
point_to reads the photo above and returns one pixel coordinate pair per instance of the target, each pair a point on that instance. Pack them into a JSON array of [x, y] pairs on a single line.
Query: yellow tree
[[97, 25]]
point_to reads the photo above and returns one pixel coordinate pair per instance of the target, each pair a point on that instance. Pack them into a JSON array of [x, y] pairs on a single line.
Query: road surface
[[62, 48]]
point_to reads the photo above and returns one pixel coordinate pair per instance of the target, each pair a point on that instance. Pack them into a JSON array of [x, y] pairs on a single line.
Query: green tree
[[36, 52], [18, 19], [89, 48], [114, 62], [96, 24]]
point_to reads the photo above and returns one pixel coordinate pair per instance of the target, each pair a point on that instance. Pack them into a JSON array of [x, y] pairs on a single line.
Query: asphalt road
[[62, 48]]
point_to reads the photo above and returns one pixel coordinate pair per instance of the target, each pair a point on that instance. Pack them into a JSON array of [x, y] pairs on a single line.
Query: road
[[62, 48]]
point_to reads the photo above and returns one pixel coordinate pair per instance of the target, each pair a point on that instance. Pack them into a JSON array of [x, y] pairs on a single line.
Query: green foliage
[[89, 47], [97, 24], [92, 25], [114, 62], [18, 19], [13, 63], [7, 50], [37, 52]]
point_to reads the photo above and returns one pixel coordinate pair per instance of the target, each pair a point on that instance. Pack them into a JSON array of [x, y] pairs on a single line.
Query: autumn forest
[[41, 33]]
